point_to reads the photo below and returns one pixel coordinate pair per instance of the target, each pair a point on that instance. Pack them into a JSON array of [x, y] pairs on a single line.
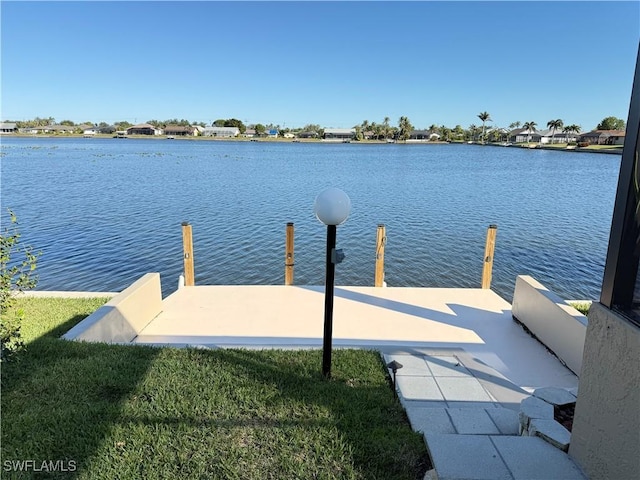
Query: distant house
[[603, 137], [545, 135], [289, 135], [221, 132], [144, 129], [272, 133], [335, 134], [90, 132], [106, 129], [368, 134], [308, 135], [249, 133], [197, 130], [422, 136], [62, 128], [178, 130], [521, 135], [8, 128]]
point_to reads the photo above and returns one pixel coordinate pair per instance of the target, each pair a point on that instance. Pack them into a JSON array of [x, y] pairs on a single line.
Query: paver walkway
[[468, 414]]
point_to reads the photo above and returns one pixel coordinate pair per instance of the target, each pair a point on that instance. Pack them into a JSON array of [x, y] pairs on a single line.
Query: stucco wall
[[552, 320], [605, 439]]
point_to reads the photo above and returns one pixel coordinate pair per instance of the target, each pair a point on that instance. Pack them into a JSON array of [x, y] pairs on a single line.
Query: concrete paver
[[445, 366], [466, 457], [469, 404], [531, 458], [505, 419], [551, 431], [462, 389], [407, 404], [472, 421], [555, 396], [419, 388], [411, 365], [430, 420]]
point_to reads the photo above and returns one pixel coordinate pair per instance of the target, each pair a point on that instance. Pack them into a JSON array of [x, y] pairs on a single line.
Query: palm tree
[[365, 126], [554, 125], [386, 127], [530, 127], [515, 125], [484, 116], [404, 127], [375, 128], [571, 128], [472, 132]]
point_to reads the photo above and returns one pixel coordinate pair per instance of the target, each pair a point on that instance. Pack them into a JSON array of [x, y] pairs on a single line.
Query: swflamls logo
[[39, 466]]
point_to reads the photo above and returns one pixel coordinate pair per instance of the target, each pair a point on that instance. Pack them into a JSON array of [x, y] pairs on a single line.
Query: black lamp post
[[332, 207]]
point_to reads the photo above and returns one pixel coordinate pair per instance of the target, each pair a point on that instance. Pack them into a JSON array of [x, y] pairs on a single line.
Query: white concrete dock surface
[[475, 321]]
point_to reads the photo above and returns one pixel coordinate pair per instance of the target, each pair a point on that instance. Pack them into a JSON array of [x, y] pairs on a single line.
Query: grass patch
[[602, 147], [143, 412], [582, 307]]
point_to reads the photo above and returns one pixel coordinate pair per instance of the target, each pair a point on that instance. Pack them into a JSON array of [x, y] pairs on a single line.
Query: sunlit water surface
[[105, 211]]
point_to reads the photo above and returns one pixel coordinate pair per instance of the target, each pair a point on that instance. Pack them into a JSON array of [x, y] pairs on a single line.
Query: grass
[[582, 307], [142, 412]]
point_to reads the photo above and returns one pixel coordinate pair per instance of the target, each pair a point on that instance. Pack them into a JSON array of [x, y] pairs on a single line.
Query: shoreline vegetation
[[606, 149]]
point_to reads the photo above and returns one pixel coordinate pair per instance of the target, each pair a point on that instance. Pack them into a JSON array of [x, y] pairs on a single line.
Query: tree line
[[364, 131]]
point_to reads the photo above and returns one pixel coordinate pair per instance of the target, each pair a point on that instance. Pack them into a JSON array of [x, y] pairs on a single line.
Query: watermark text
[[39, 466]]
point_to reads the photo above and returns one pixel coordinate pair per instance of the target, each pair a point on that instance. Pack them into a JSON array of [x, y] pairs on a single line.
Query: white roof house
[[339, 133], [221, 132], [8, 127]]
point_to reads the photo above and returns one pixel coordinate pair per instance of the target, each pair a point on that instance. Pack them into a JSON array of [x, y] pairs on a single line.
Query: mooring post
[[381, 241], [288, 256], [187, 247], [489, 248]]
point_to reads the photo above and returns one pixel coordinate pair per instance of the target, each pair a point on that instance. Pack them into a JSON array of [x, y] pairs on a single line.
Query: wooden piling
[[381, 241], [288, 255], [187, 247], [489, 248]]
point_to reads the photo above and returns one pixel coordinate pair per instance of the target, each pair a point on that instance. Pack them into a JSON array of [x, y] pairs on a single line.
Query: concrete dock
[[477, 321]]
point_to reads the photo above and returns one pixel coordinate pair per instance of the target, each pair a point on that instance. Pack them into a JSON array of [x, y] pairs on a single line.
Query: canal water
[[105, 211]]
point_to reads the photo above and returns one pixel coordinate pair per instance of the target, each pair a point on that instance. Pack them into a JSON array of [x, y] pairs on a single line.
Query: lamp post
[[332, 207]]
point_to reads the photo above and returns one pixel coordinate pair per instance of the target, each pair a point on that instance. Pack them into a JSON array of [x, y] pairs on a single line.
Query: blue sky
[[331, 63]]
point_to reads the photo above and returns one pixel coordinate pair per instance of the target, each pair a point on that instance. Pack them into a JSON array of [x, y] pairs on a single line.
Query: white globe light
[[332, 206]]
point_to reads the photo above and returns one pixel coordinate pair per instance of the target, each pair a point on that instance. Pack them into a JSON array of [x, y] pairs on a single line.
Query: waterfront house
[[521, 135], [272, 133], [423, 136], [106, 129], [249, 133], [603, 137], [221, 132], [308, 135], [178, 130], [339, 133], [8, 128], [144, 129]]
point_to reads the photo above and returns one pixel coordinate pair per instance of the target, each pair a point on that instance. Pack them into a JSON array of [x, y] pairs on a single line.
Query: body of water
[[103, 211]]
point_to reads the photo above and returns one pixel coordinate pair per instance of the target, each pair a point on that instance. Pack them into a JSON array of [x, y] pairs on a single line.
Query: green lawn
[[141, 412]]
